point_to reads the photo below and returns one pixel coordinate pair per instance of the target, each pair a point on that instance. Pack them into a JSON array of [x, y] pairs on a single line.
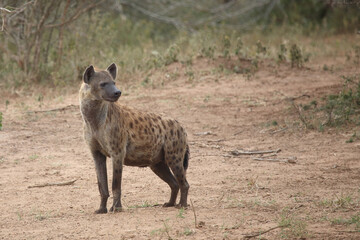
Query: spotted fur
[[130, 137]]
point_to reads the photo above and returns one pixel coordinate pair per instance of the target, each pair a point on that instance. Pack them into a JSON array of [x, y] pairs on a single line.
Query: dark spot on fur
[[172, 132], [141, 119], [178, 132], [171, 123], [133, 135], [177, 168], [160, 131], [136, 121], [165, 137], [131, 125], [145, 131], [152, 129]]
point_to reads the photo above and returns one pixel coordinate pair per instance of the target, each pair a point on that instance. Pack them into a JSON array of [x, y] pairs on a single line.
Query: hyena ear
[[112, 70], [89, 72]]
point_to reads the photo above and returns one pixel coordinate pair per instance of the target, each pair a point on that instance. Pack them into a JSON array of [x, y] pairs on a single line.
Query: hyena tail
[[186, 158]]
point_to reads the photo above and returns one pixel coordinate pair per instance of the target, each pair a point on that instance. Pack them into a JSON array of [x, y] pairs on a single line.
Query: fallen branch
[[286, 160], [55, 109], [280, 130], [301, 96], [262, 232], [241, 152], [215, 141], [53, 184]]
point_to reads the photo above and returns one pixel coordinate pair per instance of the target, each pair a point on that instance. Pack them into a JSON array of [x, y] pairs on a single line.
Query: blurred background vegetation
[[51, 42]]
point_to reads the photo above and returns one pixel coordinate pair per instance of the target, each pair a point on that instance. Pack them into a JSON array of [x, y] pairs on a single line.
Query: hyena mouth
[[111, 99]]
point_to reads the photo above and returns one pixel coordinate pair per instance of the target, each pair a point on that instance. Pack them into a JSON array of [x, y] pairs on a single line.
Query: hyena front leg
[[118, 160], [100, 166]]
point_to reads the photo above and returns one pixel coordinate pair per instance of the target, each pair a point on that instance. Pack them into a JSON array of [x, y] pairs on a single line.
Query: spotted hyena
[[130, 137]]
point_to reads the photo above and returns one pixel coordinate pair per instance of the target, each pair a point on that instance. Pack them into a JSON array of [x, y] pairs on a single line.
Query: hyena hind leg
[[177, 167], [163, 171]]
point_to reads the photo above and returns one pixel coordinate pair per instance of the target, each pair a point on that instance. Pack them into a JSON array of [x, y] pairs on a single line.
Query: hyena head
[[102, 83]]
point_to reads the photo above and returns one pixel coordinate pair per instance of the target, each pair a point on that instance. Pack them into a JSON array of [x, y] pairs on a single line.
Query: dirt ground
[[232, 196]]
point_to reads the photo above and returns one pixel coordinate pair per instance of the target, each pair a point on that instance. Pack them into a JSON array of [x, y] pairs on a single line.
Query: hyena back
[[130, 137]]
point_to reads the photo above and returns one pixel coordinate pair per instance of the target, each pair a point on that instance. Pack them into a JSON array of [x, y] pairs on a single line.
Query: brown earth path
[[232, 196]]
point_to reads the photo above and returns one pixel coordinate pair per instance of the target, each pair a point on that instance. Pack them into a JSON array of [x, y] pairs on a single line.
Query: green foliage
[[208, 52], [226, 46], [357, 54], [138, 44], [343, 107], [238, 48], [337, 109], [296, 56], [260, 48], [292, 227], [181, 213], [355, 219], [171, 54], [282, 53], [188, 232]]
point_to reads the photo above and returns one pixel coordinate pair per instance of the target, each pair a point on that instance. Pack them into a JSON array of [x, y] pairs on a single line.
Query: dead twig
[[193, 209], [53, 184], [238, 132], [302, 118], [81, 10], [215, 141], [279, 130], [221, 198], [247, 236], [55, 109], [3, 16], [242, 152], [286, 160], [349, 231], [204, 133], [301, 96]]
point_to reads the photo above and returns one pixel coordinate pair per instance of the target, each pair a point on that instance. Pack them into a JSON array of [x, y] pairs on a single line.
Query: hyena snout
[[112, 94]]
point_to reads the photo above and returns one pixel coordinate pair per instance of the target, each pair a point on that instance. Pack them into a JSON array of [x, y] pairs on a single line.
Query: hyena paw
[[116, 209], [181, 205], [168, 204], [101, 211]]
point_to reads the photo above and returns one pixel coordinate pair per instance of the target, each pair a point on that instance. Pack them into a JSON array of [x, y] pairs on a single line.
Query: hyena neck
[[94, 112]]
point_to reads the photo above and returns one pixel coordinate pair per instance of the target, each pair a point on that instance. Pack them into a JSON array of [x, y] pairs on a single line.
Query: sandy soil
[[232, 196]]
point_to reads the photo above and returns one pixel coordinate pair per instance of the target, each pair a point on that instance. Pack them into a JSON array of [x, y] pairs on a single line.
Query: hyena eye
[[103, 84]]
